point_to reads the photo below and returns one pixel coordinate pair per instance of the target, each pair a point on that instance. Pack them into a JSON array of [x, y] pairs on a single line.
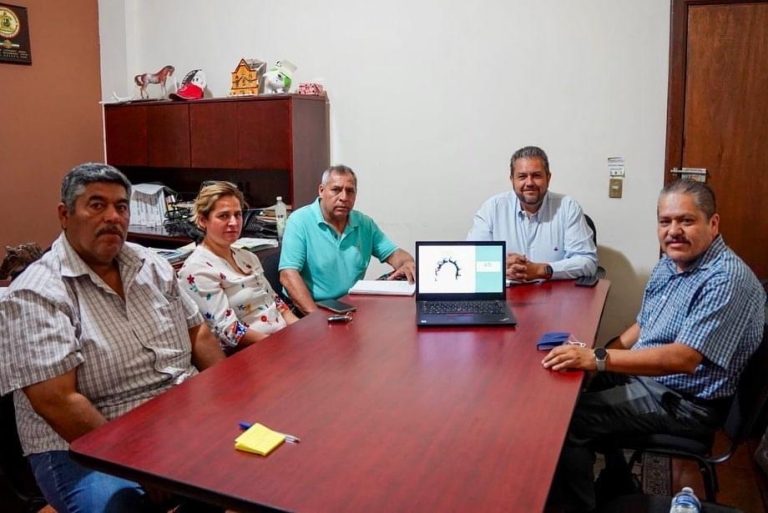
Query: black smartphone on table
[[336, 306]]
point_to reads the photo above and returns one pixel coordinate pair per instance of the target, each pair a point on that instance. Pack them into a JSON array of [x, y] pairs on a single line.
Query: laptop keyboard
[[465, 307]]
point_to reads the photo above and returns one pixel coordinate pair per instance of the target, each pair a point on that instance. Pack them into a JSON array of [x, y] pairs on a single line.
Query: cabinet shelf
[[276, 145]]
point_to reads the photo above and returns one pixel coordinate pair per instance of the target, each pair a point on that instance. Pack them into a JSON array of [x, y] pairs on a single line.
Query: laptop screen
[[460, 269]]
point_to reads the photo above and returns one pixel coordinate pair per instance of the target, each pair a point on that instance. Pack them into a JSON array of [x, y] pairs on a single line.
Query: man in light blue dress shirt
[[546, 234]]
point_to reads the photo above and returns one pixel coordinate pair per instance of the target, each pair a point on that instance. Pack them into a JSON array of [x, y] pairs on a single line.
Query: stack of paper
[[254, 243], [384, 287], [259, 439], [175, 255], [148, 204]]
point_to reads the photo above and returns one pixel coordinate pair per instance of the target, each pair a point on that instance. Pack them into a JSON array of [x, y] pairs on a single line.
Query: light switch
[[615, 186]]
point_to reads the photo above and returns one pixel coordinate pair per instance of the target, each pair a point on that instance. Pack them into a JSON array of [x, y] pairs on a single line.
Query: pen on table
[[288, 438]]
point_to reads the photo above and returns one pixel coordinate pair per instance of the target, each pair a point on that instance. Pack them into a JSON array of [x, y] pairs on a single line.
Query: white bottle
[[281, 212], [685, 502]]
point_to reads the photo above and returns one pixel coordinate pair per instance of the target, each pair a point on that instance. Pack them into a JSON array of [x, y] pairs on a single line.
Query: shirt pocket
[[170, 335]]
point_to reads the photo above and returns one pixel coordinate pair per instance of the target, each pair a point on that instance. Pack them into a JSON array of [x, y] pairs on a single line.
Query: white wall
[[429, 99]]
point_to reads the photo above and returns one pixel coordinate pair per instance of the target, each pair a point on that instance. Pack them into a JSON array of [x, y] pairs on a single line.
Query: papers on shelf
[[254, 243], [148, 204], [384, 287], [259, 439], [175, 255]]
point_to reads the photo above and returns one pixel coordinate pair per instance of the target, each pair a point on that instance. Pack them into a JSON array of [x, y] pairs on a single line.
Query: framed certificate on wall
[[14, 35]]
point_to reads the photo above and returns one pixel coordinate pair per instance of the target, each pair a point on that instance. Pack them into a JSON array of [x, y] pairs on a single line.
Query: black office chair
[[600, 270], [15, 473], [270, 259], [14, 468], [746, 409]]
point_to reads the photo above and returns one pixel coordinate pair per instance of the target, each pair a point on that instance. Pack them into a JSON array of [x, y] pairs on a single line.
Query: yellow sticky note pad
[[259, 439]]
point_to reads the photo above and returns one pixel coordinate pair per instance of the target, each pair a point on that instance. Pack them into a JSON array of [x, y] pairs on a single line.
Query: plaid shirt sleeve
[[717, 319]]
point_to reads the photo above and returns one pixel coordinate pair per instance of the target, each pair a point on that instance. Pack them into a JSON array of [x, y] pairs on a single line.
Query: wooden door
[[718, 113]]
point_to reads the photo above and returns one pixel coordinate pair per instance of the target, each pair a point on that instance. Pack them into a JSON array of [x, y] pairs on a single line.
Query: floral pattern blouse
[[232, 302]]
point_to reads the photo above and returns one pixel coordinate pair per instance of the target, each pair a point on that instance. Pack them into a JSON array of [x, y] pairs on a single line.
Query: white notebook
[[384, 287], [254, 243]]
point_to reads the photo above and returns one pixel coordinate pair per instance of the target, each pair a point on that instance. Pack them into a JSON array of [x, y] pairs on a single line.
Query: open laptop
[[461, 283]]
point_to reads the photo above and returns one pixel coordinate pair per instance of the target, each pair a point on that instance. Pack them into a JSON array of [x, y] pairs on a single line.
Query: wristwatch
[[549, 271], [601, 358]]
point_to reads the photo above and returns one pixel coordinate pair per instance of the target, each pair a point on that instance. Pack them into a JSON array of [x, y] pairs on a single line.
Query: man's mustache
[[676, 240], [113, 230]]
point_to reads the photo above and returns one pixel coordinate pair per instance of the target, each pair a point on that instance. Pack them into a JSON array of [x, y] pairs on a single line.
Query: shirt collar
[[72, 265], [320, 220], [523, 214]]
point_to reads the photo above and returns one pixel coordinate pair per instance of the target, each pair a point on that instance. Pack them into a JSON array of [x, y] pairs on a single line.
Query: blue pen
[[288, 438]]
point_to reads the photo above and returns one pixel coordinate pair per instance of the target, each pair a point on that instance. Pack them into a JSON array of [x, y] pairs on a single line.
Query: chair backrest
[[751, 395], [15, 473], [591, 225], [270, 259]]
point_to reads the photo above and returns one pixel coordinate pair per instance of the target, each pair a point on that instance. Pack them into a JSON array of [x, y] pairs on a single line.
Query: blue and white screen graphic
[[460, 269]]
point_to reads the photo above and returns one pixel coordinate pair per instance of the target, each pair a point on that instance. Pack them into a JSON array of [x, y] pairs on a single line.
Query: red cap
[[192, 87]]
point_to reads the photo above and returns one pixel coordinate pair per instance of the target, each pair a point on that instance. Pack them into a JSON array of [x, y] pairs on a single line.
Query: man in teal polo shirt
[[327, 245]]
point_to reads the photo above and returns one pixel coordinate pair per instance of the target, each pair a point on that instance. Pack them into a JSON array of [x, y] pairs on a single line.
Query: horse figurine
[[154, 78]]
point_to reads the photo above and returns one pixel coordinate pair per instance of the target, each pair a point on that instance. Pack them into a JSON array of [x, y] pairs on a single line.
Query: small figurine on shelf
[[192, 87], [278, 78], [161, 77], [246, 78]]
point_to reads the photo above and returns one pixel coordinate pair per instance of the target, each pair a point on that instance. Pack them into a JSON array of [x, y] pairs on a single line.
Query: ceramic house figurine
[[278, 78], [246, 78]]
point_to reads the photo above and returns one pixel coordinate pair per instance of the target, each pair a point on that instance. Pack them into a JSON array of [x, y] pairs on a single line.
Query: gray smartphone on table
[[336, 306]]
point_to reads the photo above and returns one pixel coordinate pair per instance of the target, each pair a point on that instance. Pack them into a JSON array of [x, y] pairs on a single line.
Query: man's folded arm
[[674, 358], [580, 250], [67, 411], [668, 359], [206, 349], [626, 340], [403, 264], [294, 284], [573, 267], [481, 229]]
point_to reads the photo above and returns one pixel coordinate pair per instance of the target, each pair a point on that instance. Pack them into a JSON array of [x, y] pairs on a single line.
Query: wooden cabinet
[[168, 135], [270, 146], [126, 135], [213, 135]]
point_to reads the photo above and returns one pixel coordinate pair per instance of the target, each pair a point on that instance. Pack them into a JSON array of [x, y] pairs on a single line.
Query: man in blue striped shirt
[[676, 368]]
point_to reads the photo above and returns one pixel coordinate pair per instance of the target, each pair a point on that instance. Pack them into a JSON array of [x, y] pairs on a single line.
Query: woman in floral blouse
[[227, 283]]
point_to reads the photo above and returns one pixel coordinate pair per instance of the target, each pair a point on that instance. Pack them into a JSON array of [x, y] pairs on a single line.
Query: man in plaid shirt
[[674, 370]]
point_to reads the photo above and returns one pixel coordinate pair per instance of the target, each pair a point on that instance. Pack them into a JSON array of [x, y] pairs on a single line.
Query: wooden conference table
[[391, 417]]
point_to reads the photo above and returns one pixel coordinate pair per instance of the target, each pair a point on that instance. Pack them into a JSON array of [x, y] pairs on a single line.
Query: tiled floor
[[742, 484]]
